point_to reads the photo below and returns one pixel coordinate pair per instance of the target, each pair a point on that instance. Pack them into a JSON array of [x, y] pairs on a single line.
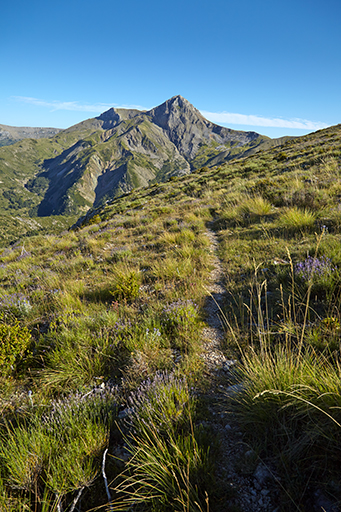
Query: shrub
[[281, 156], [14, 341], [127, 285]]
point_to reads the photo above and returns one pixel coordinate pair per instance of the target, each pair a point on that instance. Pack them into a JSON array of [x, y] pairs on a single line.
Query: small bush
[[127, 285], [281, 156], [14, 341], [181, 313]]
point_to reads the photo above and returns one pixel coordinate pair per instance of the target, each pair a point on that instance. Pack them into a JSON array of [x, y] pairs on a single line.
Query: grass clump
[[55, 450], [290, 409], [127, 285], [253, 208], [297, 220], [170, 464], [180, 322]]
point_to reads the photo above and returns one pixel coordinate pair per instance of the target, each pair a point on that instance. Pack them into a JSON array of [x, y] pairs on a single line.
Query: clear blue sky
[[271, 66]]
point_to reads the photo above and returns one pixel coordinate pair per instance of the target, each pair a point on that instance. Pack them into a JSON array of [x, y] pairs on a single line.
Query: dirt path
[[247, 482]]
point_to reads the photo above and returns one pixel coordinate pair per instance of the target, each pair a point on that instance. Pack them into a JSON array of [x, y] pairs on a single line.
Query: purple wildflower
[[16, 303], [314, 268], [179, 312], [163, 402]]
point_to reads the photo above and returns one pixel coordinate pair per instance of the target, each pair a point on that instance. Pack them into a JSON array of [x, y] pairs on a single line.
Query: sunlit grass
[[121, 299], [296, 220]]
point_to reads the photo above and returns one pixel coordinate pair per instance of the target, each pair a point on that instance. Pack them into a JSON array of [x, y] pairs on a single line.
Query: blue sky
[[270, 66]]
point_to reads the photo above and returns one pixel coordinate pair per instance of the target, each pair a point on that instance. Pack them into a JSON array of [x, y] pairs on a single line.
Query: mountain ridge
[[100, 158], [12, 134]]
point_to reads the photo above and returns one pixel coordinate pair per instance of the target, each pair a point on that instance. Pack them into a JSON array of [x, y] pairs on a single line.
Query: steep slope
[[107, 164], [189, 130], [129, 149], [101, 158]]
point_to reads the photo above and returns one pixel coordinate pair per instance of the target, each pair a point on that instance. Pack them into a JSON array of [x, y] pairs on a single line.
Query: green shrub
[[127, 285], [14, 341], [281, 156], [96, 219]]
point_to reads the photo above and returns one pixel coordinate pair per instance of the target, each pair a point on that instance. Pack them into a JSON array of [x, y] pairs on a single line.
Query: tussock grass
[[296, 220], [254, 207], [170, 465]]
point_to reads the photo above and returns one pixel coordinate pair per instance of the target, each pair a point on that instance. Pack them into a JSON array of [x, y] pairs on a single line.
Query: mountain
[[101, 158], [11, 134]]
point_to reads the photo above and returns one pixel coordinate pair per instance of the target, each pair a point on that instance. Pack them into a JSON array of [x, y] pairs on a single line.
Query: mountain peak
[[180, 100], [176, 105], [182, 122]]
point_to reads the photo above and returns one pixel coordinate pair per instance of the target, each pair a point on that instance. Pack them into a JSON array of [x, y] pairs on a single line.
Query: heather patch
[[16, 303]]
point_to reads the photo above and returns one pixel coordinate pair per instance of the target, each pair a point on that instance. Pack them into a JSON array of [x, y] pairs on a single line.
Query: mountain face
[[101, 158], [188, 129]]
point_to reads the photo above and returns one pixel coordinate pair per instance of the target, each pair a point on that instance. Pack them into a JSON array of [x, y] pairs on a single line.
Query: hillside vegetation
[[101, 158], [103, 387]]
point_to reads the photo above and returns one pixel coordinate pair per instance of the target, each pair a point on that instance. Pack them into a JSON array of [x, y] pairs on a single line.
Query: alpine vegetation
[[107, 401]]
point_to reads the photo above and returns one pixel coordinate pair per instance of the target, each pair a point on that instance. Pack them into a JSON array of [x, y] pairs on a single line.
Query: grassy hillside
[[101, 341], [101, 158]]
